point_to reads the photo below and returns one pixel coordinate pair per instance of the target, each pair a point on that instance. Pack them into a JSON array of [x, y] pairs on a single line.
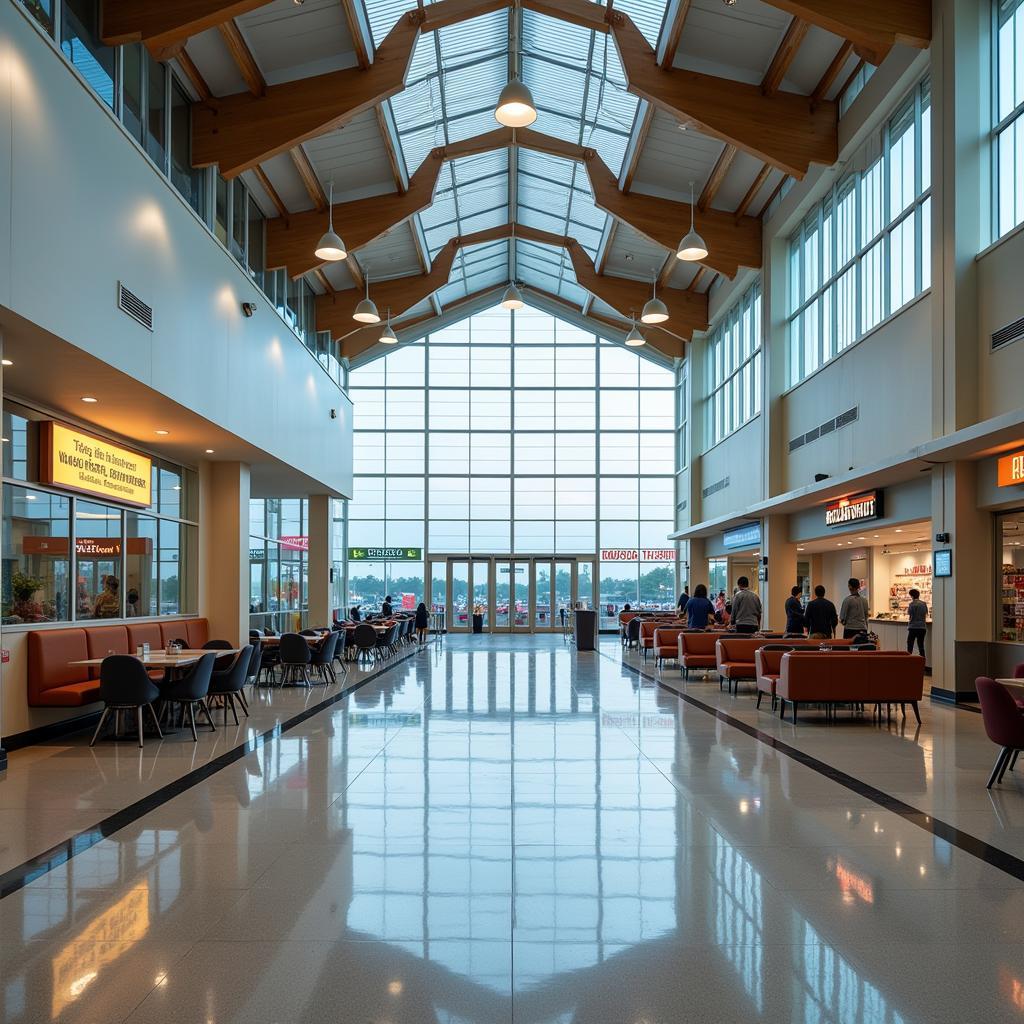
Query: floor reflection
[[515, 830]]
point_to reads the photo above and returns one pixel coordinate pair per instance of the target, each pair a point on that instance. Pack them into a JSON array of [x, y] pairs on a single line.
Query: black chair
[[227, 686], [365, 640], [309, 632], [253, 674], [343, 643], [223, 663], [124, 686], [633, 632], [191, 690], [322, 656], [295, 656]]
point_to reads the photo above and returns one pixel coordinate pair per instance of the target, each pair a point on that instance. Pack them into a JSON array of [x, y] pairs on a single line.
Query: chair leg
[[99, 726], [794, 712], [209, 717], [917, 713], [760, 694], [244, 703], [1006, 763], [138, 723], [1013, 760], [234, 713], [156, 721], [1004, 753], [192, 722]]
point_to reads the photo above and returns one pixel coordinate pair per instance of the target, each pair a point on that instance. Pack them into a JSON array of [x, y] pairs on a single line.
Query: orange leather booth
[[696, 651], [854, 677], [666, 642], [54, 683], [734, 655]]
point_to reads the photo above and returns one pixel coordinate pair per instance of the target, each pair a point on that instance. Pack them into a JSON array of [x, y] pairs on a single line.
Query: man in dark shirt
[[820, 615], [794, 612]]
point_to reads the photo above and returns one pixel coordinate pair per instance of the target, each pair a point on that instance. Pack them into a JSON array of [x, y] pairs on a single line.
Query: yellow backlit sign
[[77, 461]]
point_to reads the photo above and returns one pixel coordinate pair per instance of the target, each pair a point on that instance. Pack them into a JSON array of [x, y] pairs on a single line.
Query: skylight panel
[[647, 15], [554, 87], [542, 165], [543, 35], [490, 219], [541, 220]]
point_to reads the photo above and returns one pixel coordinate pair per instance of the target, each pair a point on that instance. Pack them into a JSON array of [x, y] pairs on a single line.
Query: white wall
[[81, 209], [887, 374], [738, 457], [1000, 302]]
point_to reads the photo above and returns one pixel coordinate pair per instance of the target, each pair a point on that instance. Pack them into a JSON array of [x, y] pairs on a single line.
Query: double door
[[510, 594]]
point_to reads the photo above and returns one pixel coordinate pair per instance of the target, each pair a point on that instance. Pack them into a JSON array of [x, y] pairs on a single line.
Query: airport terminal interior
[[511, 511]]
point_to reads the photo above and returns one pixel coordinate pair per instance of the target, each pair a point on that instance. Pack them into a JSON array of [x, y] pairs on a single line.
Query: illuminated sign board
[[638, 554], [1011, 470], [385, 554], [85, 547], [76, 461], [855, 509], [742, 536]]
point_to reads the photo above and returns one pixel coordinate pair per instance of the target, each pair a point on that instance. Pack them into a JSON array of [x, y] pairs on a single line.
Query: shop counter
[[892, 636]]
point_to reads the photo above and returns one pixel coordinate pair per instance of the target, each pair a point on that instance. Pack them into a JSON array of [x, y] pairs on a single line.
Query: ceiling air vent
[[1008, 334], [718, 485], [128, 302], [842, 420]]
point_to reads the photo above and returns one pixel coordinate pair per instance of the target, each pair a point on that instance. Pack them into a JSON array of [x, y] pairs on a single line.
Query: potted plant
[[22, 607]]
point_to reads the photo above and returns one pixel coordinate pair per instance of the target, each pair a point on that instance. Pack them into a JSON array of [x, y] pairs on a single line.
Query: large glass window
[[540, 440], [864, 251], [278, 563], [1008, 136], [80, 41], [732, 369], [189, 181], [36, 556], [1010, 543]]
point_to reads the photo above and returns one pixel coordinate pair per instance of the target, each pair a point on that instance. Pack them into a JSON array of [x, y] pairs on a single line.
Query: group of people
[[818, 619], [355, 614]]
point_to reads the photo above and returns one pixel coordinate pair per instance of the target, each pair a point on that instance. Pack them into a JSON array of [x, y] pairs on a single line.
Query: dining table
[[161, 659]]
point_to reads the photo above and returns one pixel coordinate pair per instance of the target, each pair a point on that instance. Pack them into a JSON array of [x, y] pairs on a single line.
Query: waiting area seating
[[735, 655], [849, 677], [55, 683]]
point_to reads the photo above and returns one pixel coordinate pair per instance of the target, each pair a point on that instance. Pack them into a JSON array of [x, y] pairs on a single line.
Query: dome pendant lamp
[[366, 311], [330, 248], [692, 248], [655, 311], [635, 339], [512, 299], [388, 336], [516, 108]]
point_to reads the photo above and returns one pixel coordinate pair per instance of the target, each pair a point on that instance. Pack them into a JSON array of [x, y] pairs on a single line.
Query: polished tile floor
[[501, 829]]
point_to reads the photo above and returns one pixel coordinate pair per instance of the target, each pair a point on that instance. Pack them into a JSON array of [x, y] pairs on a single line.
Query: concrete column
[[962, 604], [318, 529], [697, 564], [782, 558], [224, 549]]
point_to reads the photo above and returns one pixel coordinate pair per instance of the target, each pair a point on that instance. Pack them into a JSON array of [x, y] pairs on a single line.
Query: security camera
[[248, 308]]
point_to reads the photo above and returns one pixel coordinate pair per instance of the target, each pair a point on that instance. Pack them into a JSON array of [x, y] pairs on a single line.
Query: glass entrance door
[[458, 596]]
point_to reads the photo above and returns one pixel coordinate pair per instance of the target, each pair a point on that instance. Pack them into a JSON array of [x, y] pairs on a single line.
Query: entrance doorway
[[513, 594]]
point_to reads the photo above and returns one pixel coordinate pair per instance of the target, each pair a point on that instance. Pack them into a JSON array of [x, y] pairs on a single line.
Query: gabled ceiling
[[394, 103]]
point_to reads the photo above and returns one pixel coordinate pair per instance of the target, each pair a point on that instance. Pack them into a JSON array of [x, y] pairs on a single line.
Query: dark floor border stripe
[[936, 827], [18, 877]]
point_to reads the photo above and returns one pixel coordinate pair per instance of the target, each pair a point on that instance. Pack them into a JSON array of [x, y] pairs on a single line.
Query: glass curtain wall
[[514, 433], [865, 251], [1008, 127], [278, 564]]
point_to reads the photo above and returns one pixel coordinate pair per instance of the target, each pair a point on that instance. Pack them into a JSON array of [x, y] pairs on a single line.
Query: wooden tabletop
[[1012, 684], [161, 659]]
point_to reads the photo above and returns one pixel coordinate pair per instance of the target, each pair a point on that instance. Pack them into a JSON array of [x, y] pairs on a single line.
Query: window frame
[[1012, 121]]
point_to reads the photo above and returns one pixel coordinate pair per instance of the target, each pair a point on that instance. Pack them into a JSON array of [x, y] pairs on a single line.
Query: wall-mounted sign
[[85, 547], [385, 554], [1011, 470], [294, 543], [77, 461], [855, 509], [638, 554], [942, 562], [742, 536]]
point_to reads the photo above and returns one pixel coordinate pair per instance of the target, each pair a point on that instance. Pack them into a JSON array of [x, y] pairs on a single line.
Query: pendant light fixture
[[330, 248], [366, 311], [388, 336], [692, 247], [516, 108], [635, 339], [512, 299], [655, 311]]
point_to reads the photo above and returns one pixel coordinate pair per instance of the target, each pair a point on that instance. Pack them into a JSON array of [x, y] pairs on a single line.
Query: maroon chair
[[1004, 724]]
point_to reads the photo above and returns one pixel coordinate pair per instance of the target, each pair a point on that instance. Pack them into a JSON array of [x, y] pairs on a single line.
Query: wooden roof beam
[[165, 25], [239, 131], [873, 26], [689, 311]]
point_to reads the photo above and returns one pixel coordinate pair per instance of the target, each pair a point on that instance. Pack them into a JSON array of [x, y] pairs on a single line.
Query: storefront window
[[1011, 606], [16, 446], [36, 564], [140, 578], [98, 590]]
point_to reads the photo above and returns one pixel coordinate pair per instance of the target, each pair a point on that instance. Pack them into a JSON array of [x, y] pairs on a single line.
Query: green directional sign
[[385, 554]]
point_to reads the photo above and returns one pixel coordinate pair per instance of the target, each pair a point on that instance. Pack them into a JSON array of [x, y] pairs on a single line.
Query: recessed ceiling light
[[4, 439], [799, 549], [162, 433], [897, 531], [209, 451], [30, 497], [89, 399], [7, 362]]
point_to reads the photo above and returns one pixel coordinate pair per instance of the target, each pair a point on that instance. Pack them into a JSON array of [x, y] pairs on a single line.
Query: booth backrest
[[53, 682], [666, 638], [857, 675], [647, 628], [741, 649], [101, 640], [701, 644]]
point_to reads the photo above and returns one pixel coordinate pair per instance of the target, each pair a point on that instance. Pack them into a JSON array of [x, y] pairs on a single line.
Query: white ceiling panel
[[392, 255], [354, 157], [633, 255], [210, 55], [287, 183], [734, 42], [671, 158]]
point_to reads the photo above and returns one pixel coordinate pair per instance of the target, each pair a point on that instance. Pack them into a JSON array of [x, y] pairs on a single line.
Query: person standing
[[917, 622], [746, 608], [421, 622], [820, 616], [794, 612], [853, 612], [684, 599], [699, 610], [386, 608]]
